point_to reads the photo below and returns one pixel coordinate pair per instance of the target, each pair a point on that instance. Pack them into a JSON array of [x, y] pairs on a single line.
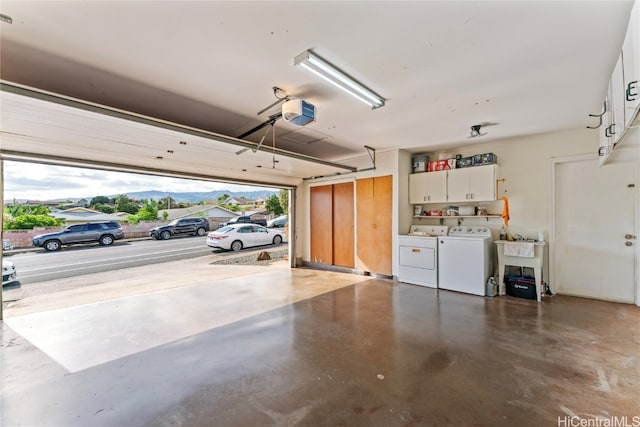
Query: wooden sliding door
[[333, 216], [343, 218], [373, 205], [322, 224], [332, 222]]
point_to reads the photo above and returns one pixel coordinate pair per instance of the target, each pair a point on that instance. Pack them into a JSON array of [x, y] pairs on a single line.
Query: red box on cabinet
[[438, 165]]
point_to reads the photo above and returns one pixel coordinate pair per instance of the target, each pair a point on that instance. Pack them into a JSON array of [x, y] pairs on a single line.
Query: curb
[[34, 249]]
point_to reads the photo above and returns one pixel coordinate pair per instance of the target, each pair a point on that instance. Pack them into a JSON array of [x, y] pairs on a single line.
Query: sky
[[35, 181]]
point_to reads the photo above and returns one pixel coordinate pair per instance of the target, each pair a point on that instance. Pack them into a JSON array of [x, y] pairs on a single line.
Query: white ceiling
[[530, 66]]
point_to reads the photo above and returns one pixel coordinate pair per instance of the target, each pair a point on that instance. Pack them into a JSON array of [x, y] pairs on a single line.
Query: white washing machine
[[465, 259], [418, 255]]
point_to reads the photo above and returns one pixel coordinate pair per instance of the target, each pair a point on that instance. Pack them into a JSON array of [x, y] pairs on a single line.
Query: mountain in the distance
[[186, 197], [196, 197]]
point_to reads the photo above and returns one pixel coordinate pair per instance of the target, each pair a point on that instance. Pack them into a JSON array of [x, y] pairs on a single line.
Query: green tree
[[273, 205], [65, 204], [18, 209], [283, 197], [165, 215], [29, 221], [223, 197], [99, 200], [125, 204], [108, 209], [149, 211], [167, 203]]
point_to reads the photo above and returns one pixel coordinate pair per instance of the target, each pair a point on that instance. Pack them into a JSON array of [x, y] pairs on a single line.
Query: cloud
[[35, 181]]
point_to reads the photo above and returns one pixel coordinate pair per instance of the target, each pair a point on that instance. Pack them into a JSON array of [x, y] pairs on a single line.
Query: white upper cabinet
[[631, 67], [458, 185], [417, 188], [475, 184], [622, 103], [615, 128], [482, 184], [429, 187], [606, 140]]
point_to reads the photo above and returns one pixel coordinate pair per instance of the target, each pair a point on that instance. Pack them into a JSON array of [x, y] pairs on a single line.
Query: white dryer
[[465, 259], [418, 255]]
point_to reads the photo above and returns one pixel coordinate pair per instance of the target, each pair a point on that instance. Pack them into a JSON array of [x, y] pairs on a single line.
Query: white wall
[[524, 162]]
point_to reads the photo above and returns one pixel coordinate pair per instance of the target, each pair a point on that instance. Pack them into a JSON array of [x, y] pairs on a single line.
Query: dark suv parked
[[243, 220], [181, 227], [104, 233]]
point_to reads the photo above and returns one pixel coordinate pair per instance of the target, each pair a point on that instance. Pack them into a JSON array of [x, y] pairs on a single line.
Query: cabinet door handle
[[429, 198], [608, 132], [424, 198], [471, 196], [632, 91]]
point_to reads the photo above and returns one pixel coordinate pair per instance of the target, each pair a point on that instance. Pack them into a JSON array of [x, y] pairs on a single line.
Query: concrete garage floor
[[281, 347]]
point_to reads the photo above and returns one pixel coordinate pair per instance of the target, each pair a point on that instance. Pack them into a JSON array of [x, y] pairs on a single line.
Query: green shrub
[[28, 222]]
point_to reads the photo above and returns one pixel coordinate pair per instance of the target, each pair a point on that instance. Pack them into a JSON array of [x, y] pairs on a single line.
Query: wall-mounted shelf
[[458, 217]]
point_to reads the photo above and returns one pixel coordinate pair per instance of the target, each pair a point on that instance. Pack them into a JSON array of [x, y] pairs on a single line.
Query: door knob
[[629, 236], [628, 243]]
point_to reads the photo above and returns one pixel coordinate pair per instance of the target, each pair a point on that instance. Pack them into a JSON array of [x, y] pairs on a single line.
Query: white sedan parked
[[238, 236], [8, 272]]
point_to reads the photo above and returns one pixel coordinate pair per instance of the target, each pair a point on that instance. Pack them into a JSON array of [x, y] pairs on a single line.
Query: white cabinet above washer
[[475, 184], [428, 187]]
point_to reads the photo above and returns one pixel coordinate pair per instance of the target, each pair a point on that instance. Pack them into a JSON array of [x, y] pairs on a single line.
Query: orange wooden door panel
[[373, 207], [365, 233], [321, 205], [343, 227], [383, 197]]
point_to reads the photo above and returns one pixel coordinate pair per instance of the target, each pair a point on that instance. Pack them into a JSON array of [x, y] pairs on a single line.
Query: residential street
[[78, 260]]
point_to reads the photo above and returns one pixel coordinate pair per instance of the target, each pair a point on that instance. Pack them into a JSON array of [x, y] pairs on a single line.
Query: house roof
[[213, 210], [80, 210], [84, 215]]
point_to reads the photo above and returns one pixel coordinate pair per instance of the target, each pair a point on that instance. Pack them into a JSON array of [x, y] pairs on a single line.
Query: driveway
[[103, 286]]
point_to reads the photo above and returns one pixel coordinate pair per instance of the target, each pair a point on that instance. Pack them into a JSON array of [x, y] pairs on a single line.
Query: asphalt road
[[77, 260]]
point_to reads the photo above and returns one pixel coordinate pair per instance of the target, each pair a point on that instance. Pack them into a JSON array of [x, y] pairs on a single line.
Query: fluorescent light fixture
[[329, 72]]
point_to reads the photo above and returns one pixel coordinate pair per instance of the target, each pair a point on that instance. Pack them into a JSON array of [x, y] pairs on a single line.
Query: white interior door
[[594, 239]]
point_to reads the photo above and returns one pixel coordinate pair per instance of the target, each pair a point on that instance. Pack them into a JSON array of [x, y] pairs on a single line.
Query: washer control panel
[[474, 231]]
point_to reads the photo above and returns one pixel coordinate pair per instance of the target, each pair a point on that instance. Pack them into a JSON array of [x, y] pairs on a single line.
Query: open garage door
[[37, 125]]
